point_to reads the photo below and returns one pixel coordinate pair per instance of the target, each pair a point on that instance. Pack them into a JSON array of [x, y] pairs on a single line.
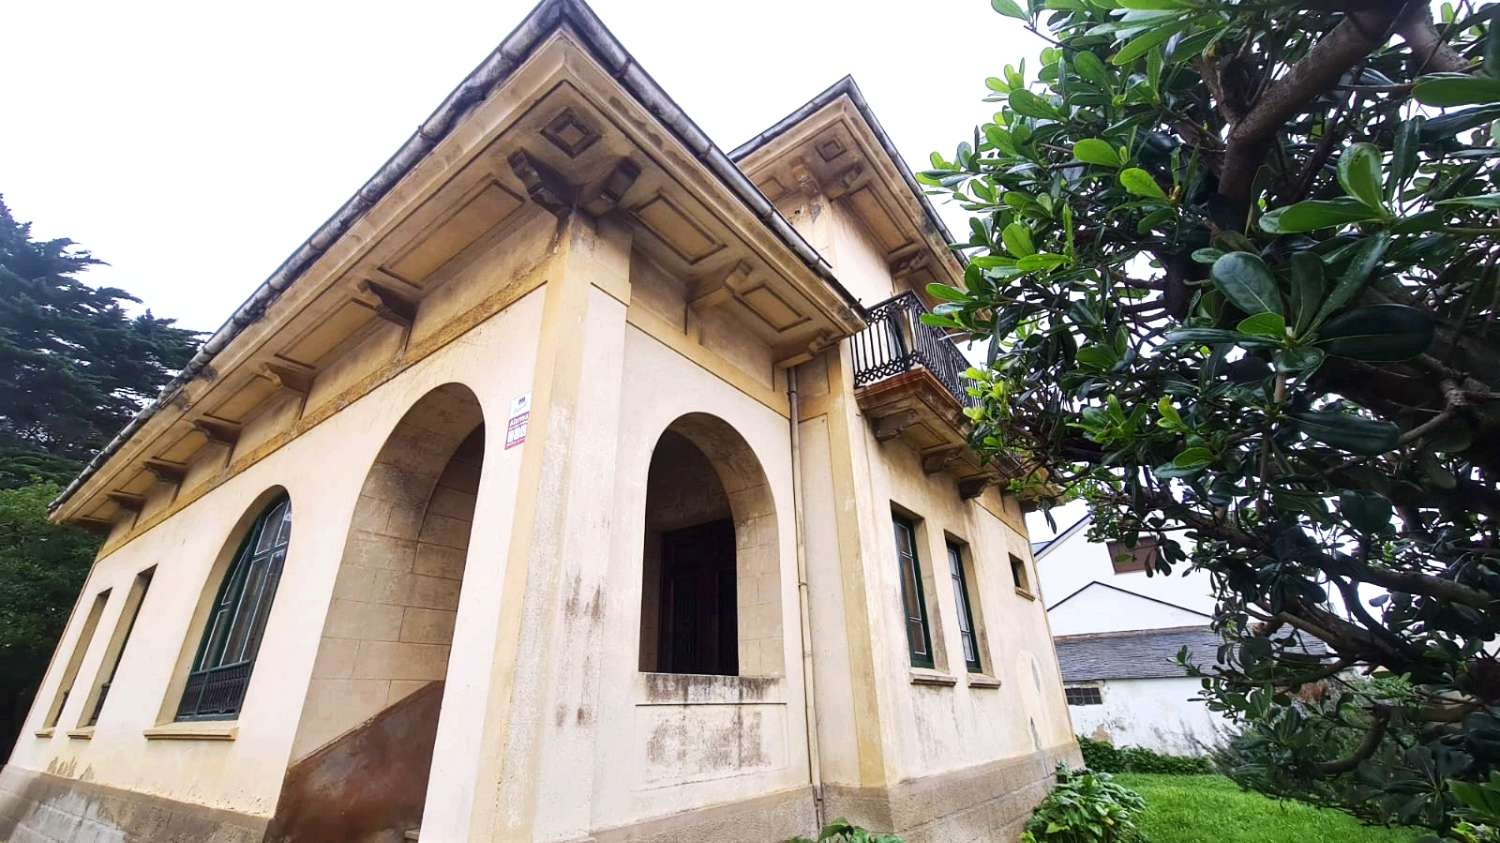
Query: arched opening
[[363, 748], [711, 580]]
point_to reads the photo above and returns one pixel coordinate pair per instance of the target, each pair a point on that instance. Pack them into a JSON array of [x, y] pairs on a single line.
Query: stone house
[[575, 481], [1118, 630]]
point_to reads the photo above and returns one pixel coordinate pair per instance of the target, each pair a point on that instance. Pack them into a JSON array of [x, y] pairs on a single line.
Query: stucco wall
[[1159, 714], [321, 471], [668, 743]]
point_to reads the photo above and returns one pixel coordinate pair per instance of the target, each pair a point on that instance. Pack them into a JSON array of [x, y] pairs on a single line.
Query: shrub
[[843, 831], [1085, 807], [1104, 757]]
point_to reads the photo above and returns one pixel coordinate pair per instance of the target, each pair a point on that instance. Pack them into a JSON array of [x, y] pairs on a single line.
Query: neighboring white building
[[1118, 631]]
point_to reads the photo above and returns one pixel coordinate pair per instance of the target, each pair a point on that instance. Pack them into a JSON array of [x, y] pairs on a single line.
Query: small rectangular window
[[914, 607], [1018, 574], [80, 647], [966, 629], [116, 650], [1129, 560], [1084, 695]]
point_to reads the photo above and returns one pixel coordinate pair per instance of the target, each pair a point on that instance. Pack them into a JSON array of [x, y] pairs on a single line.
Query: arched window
[[220, 671]]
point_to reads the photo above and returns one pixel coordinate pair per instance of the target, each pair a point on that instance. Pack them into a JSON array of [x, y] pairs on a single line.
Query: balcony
[[908, 381]]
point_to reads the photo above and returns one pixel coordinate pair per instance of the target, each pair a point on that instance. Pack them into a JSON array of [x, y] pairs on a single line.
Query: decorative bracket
[[726, 290], [970, 488], [606, 197], [292, 377], [170, 473], [846, 181], [218, 431], [387, 303], [127, 501], [891, 426], [938, 459], [543, 184]]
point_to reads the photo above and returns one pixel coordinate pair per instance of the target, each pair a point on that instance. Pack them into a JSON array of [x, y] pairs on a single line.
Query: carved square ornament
[[570, 134]]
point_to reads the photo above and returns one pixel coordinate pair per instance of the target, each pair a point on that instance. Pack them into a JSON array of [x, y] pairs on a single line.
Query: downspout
[[809, 699]]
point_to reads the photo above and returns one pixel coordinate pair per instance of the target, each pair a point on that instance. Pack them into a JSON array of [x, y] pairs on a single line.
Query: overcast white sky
[[195, 145]]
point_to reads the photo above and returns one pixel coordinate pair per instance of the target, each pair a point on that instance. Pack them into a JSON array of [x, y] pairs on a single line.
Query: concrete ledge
[[37, 807], [774, 817], [207, 730], [989, 802], [924, 676]]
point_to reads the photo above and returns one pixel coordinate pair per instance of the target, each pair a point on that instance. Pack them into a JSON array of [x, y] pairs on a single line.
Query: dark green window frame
[[220, 672], [913, 603], [966, 630]]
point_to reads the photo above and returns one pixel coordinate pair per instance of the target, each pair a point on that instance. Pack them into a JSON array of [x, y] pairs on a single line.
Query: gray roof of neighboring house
[[1138, 654]]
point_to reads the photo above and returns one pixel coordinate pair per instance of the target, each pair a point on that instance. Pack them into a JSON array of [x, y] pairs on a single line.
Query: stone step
[[412, 833]]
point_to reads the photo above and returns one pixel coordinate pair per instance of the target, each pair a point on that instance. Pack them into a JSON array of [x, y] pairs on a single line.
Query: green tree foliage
[[41, 568], [1238, 261], [74, 365]]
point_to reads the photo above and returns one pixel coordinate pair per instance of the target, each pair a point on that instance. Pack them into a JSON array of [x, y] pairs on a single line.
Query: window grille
[[221, 670], [1084, 695]]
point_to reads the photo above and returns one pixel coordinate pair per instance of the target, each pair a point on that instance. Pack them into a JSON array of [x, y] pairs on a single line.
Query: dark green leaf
[[1017, 239], [1307, 288], [1193, 458], [1449, 89], [1364, 257], [946, 293], [1302, 359], [1096, 151], [1489, 201], [1140, 183], [1269, 325], [1027, 104], [1359, 173], [1383, 333], [1245, 280], [1366, 512], [1009, 9], [1349, 433], [1091, 68], [1315, 214], [1140, 44], [1212, 336]]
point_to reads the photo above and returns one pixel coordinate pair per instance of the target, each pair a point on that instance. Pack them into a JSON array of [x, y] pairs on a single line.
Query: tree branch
[[1429, 52], [1347, 44]]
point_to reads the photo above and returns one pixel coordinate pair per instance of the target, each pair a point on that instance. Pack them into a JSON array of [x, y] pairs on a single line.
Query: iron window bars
[[221, 670]]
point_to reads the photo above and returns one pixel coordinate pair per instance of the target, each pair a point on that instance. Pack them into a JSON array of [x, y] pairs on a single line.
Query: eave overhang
[[559, 119], [835, 146]]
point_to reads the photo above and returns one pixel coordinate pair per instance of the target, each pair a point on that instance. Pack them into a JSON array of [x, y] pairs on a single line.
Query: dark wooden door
[[699, 631]]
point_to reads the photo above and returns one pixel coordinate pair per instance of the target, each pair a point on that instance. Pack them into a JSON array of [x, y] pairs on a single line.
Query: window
[[221, 670], [967, 632], [1018, 574], [80, 647], [710, 570], [123, 627], [1083, 695], [913, 605], [1128, 560]]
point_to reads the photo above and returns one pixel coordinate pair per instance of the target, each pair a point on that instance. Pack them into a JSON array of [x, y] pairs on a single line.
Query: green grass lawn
[[1213, 809]]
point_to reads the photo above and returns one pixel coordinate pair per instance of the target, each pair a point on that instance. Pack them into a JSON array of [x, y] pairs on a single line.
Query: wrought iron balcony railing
[[896, 342]]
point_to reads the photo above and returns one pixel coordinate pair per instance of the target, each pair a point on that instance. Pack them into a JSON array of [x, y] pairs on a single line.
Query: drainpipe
[[809, 702]]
